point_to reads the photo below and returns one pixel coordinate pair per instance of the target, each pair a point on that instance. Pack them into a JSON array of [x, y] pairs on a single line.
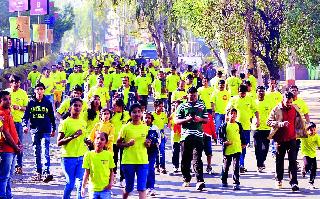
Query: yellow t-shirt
[[65, 105], [56, 78], [205, 95], [136, 154], [274, 97], [107, 80], [214, 82], [253, 82], [233, 135], [220, 99], [178, 95], [172, 82], [19, 98], [76, 147], [160, 120], [264, 108], [309, 145], [304, 109], [107, 128], [118, 123], [102, 92], [33, 77], [117, 80], [143, 85], [158, 88], [245, 107], [92, 81], [48, 83], [233, 84], [99, 165], [185, 74], [90, 123], [75, 79]]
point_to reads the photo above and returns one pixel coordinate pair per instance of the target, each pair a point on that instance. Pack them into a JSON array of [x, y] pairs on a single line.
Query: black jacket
[[41, 116], [223, 134]]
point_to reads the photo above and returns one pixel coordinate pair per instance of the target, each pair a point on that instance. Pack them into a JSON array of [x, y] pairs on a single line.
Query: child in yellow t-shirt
[[160, 120], [175, 136], [103, 126], [98, 165], [308, 149]]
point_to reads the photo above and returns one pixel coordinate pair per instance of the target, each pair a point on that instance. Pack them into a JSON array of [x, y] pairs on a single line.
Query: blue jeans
[[161, 158], [40, 142], [218, 120], [152, 155], [176, 154], [105, 194], [6, 170], [130, 170], [20, 134], [73, 171], [246, 134], [50, 98]]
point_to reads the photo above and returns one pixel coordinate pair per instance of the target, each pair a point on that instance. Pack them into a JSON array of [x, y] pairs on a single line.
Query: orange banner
[[23, 27], [42, 32], [50, 36]]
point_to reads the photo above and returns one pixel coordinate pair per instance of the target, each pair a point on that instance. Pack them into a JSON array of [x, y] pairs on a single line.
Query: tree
[[302, 30], [219, 22], [64, 23]]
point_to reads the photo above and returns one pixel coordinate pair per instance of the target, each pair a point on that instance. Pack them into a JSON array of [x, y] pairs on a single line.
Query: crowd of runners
[[107, 134]]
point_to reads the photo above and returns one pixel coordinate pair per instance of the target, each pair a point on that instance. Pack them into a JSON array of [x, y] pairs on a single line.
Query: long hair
[[91, 110]]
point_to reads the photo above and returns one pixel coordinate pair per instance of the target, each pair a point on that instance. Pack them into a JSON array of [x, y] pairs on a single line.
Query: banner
[[39, 7], [13, 27], [39, 32], [18, 5], [50, 36], [23, 27]]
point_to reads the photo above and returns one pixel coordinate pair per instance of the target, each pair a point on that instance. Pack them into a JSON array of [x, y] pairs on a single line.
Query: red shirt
[[288, 133], [209, 128], [8, 124]]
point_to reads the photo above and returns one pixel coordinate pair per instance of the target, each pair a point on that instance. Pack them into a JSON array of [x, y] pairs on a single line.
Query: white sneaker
[[186, 184], [311, 186], [122, 184], [152, 192]]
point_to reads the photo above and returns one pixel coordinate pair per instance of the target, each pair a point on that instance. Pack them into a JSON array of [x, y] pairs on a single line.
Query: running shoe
[[294, 187], [47, 178], [236, 187], [200, 186], [186, 184], [18, 170], [279, 184], [209, 170]]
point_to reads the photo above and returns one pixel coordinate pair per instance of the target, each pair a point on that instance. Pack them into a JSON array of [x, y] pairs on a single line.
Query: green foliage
[[23, 70], [302, 30], [64, 23]]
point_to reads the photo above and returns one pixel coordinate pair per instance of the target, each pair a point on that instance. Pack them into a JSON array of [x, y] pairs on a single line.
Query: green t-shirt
[[274, 97], [118, 123], [178, 95], [205, 95], [233, 135], [75, 79], [309, 145], [117, 80], [233, 84], [102, 92], [19, 98], [220, 100], [159, 90], [99, 165], [33, 77], [172, 82], [302, 105], [48, 83], [245, 107], [191, 127], [160, 120], [142, 83], [136, 154], [264, 108], [76, 147]]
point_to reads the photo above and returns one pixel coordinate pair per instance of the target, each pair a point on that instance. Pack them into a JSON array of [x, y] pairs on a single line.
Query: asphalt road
[[253, 184]]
